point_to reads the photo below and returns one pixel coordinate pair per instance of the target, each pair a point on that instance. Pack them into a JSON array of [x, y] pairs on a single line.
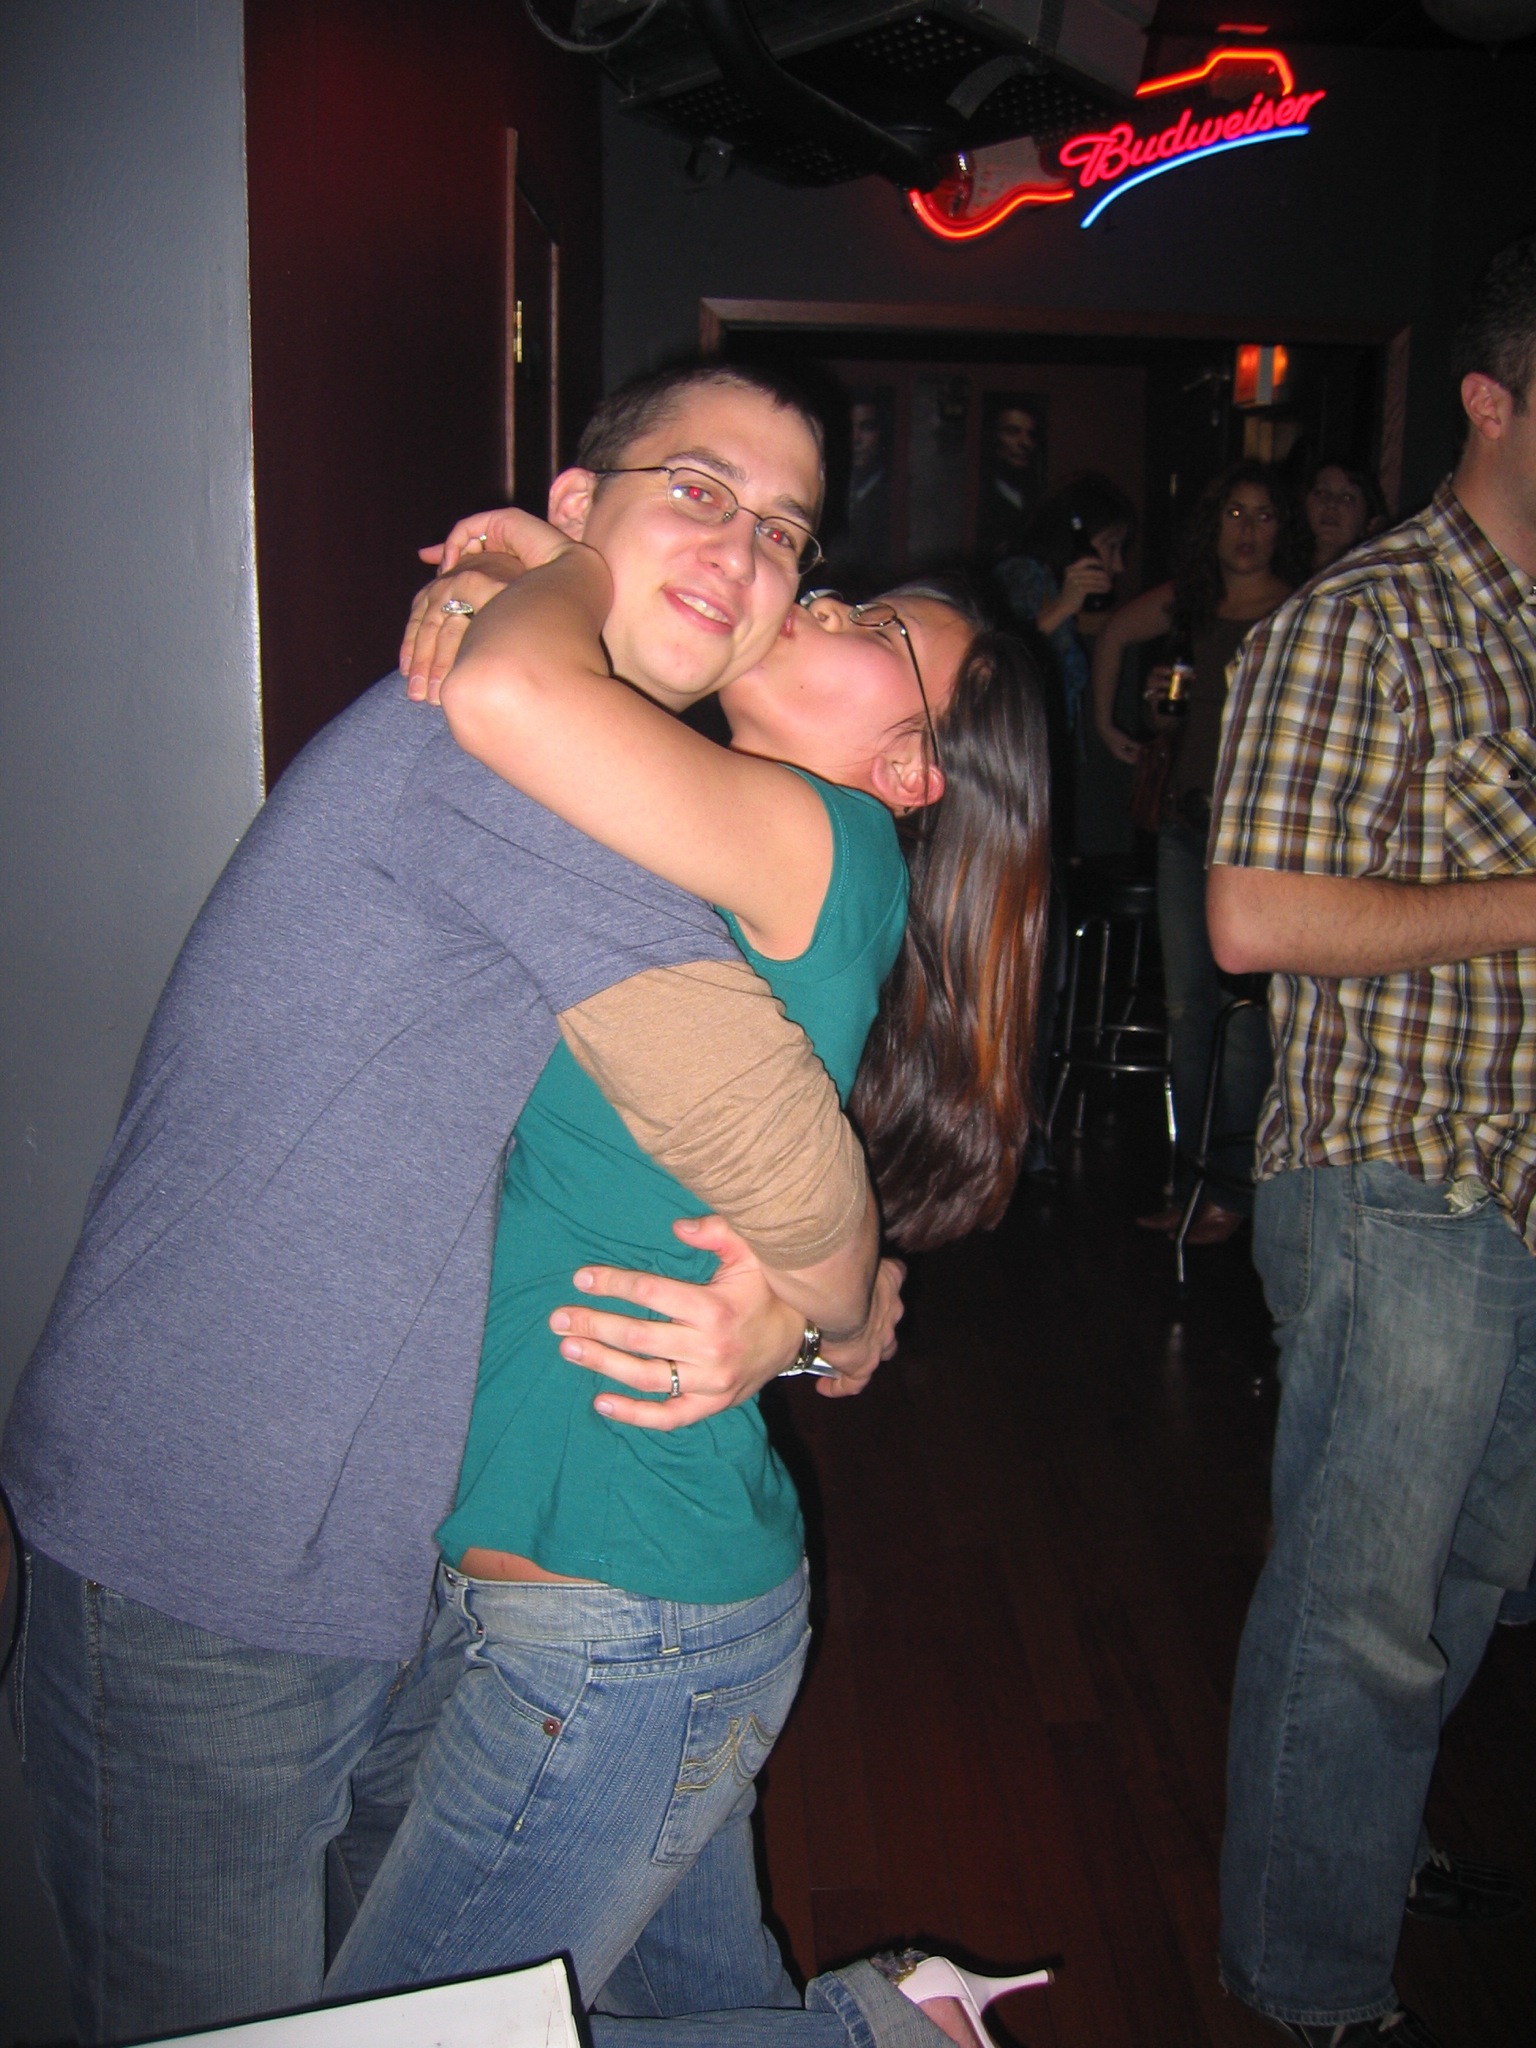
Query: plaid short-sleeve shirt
[[1382, 723]]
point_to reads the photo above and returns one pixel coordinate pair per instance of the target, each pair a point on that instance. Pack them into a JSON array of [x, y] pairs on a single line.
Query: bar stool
[[1112, 904], [1205, 1171]]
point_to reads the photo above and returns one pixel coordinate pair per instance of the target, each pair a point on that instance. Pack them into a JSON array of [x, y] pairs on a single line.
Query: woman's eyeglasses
[[879, 616], [706, 500]]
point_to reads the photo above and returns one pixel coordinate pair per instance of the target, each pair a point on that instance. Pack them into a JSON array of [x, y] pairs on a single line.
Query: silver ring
[[677, 1385], [458, 608]]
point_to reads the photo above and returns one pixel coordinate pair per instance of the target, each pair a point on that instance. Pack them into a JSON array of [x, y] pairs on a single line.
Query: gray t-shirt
[[248, 1406]]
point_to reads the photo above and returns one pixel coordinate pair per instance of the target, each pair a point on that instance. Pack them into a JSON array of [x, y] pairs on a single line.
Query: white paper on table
[[518, 2009]]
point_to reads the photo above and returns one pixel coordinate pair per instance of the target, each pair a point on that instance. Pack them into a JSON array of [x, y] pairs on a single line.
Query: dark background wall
[[1418, 166], [376, 149]]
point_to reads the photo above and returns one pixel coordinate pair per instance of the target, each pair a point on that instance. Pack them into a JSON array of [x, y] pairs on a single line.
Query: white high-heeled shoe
[[921, 1977]]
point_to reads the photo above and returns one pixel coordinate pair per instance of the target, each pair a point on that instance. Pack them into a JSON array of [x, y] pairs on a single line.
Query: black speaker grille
[[894, 63]]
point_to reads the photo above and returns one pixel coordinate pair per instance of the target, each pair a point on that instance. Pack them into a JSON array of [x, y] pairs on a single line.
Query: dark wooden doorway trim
[[719, 318]]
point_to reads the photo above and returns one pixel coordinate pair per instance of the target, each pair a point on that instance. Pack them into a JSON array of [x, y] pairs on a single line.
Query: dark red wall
[[375, 140]]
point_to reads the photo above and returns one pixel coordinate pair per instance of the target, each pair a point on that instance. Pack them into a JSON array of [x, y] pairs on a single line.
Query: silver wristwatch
[[808, 1359]]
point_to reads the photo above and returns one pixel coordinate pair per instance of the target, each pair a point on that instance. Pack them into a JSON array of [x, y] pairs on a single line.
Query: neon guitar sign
[[985, 187]]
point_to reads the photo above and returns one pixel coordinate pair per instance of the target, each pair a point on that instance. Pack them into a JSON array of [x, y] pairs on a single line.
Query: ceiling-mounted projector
[[813, 92]]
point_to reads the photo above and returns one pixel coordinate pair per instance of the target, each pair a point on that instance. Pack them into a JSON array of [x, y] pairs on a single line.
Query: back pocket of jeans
[[728, 1738]]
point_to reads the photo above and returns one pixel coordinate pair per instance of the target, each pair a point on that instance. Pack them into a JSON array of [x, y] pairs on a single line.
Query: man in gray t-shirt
[[244, 1418]]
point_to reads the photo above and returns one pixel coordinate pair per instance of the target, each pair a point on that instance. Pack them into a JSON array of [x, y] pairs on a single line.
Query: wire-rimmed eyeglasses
[[880, 616], [786, 543]]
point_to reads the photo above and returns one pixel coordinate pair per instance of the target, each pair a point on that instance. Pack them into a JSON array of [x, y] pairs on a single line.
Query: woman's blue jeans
[[1404, 1495], [849, 2008], [1196, 994], [592, 1747]]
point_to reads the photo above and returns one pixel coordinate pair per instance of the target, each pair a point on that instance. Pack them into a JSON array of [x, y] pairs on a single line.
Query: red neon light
[[1260, 375], [1101, 158], [948, 229], [1216, 59], [1105, 158]]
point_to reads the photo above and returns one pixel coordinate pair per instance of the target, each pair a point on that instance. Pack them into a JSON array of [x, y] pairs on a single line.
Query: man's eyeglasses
[[709, 502], [879, 617]]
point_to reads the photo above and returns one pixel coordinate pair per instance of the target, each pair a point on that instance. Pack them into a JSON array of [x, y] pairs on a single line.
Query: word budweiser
[[1100, 158]]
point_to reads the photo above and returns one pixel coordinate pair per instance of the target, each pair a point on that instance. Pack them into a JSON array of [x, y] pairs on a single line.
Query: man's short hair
[[628, 414], [1497, 333]]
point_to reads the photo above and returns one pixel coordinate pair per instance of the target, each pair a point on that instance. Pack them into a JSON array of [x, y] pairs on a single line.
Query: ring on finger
[[458, 607], [677, 1385]]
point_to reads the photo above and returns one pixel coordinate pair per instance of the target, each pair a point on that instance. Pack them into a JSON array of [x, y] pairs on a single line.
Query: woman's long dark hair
[[1198, 582], [942, 1094]]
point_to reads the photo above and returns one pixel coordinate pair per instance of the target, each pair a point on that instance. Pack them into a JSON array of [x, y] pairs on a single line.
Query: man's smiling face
[[695, 605]]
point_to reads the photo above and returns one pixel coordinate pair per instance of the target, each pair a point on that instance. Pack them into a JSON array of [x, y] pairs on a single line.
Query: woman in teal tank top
[[626, 1607], [703, 1514]]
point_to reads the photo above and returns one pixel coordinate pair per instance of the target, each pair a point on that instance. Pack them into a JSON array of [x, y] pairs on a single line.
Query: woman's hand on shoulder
[[480, 557], [440, 616], [505, 532]]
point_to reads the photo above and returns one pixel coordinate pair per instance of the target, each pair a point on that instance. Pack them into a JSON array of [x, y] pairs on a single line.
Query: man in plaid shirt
[[1374, 848]]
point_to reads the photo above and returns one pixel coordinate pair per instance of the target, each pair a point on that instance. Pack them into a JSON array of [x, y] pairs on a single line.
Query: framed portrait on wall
[[860, 550], [1011, 481], [941, 415]]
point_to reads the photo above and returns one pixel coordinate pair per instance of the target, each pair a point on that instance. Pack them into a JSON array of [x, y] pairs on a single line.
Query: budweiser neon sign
[[985, 187]]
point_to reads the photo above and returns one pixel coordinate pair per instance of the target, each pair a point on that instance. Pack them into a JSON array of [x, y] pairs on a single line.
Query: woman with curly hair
[[1244, 551]]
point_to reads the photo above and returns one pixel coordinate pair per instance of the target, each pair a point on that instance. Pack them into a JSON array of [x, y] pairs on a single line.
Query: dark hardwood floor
[[1036, 1537]]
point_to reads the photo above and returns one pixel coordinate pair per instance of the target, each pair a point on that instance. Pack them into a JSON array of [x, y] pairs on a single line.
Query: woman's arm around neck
[[532, 697]]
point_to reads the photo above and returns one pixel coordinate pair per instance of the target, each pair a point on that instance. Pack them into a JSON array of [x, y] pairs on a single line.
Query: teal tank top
[[707, 1513]]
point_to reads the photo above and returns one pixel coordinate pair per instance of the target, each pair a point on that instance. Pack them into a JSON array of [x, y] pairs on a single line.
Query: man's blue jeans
[[1404, 1495], [185, 1790], [593, 1746], [1196, 994]]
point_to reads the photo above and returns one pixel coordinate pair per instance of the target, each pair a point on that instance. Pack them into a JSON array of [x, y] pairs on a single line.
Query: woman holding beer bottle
[[1242, 554]]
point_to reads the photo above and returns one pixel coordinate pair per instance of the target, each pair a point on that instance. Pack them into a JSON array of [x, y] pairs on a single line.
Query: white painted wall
[[129, 691]]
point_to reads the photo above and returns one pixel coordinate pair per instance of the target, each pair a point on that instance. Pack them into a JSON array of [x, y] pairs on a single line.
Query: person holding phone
[[1241, 556]]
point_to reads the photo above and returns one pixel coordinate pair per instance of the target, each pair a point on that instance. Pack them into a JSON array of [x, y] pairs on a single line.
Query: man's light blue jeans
[[593, 1745], [185, 1790], [1404, 1496]]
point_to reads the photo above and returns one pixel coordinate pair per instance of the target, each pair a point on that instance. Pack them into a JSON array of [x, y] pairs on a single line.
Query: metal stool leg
[[1063, 1074], [1170, 1118], [1103, 1033]]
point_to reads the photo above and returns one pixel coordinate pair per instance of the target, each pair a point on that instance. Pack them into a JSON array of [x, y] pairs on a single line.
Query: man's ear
[[1488, 405], [570, 501], [903, 780]]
